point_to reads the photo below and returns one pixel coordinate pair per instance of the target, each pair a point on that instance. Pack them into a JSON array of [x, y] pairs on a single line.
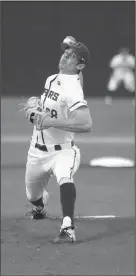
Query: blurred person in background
[[122, 65]]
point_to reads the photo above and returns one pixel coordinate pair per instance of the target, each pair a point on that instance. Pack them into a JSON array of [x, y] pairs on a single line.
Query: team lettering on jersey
[[53, 112], [51, 94]]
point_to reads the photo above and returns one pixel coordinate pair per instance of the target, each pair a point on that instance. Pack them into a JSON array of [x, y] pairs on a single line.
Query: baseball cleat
[[67, 231], [36, 214]]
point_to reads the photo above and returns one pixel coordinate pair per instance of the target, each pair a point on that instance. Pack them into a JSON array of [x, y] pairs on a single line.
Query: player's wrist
[[46, 122], [58, 122]]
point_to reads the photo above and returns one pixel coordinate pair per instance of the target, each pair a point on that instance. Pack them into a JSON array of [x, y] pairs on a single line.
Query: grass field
[[104, 246]]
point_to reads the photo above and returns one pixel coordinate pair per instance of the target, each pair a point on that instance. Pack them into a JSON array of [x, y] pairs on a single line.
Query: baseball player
[[122, 66], [57, 116]]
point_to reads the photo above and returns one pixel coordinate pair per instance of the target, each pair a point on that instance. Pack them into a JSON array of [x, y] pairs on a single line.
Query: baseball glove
[[34, 112]]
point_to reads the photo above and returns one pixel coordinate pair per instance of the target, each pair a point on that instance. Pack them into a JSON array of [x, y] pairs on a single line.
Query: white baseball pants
[[127, 78], [42, 165]]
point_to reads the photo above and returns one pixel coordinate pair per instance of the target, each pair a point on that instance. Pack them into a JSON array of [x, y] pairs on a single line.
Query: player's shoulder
[[50, 78], [116, 60], [117, 56], [131, 56], [74, 89], [75, 83]]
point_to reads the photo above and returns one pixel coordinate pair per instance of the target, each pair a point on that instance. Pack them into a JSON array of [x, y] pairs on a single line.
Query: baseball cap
[[79, 48]]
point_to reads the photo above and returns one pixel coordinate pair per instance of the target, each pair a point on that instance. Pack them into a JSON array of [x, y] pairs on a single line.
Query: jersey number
[[53, 112]]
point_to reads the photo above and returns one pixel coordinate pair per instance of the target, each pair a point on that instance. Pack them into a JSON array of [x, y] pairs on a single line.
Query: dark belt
[[44, 147]]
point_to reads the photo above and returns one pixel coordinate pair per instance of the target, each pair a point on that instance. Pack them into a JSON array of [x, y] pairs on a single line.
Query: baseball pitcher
[[57, 116]]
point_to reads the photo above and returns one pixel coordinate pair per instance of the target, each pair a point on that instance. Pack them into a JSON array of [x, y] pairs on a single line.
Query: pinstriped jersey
[[62, 95]]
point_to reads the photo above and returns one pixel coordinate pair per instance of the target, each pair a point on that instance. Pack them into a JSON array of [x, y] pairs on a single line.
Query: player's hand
[[38, 117], [33, 102], [35, 113]]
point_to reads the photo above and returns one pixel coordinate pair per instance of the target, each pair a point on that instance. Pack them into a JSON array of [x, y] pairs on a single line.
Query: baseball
[[34, 102], [69, 39]]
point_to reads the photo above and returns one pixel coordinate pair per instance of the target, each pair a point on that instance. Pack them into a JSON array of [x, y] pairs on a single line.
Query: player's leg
[[36, 179], [46, 197], [112, 86], [67, 163], [129, 83]]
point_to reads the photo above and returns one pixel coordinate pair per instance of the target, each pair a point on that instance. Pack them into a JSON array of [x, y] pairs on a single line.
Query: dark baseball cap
[[80, 49]]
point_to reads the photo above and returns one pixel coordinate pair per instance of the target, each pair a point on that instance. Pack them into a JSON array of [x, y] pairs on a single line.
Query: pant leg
[[114, 81], [129, 81], [66, 164], [36, 179]]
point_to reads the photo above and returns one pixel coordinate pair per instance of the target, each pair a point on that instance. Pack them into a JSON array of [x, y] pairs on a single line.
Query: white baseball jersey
[[62, 95], [123, 62], [122, 66]]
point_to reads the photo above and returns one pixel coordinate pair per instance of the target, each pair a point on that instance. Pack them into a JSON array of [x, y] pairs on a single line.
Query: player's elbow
[[88, 128], [88, 125]]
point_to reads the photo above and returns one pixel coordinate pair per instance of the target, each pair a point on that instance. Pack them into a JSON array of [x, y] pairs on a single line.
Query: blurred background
[[32, 32]]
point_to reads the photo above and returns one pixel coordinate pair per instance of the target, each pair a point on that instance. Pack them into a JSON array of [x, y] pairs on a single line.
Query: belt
[[56, 147]]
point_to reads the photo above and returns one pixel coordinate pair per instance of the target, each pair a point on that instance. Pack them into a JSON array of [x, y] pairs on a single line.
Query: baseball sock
[[38, 203], [68, 198]]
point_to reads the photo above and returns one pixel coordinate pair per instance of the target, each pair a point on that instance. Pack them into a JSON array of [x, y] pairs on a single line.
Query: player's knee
[[29, 195], [130, 87], [65, 180], [32, 195], [112, 87]]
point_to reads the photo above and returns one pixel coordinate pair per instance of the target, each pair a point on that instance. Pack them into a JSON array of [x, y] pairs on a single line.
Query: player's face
[[68, 62]]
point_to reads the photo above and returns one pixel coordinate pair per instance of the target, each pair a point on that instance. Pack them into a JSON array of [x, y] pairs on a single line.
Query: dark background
[[32, 32]]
